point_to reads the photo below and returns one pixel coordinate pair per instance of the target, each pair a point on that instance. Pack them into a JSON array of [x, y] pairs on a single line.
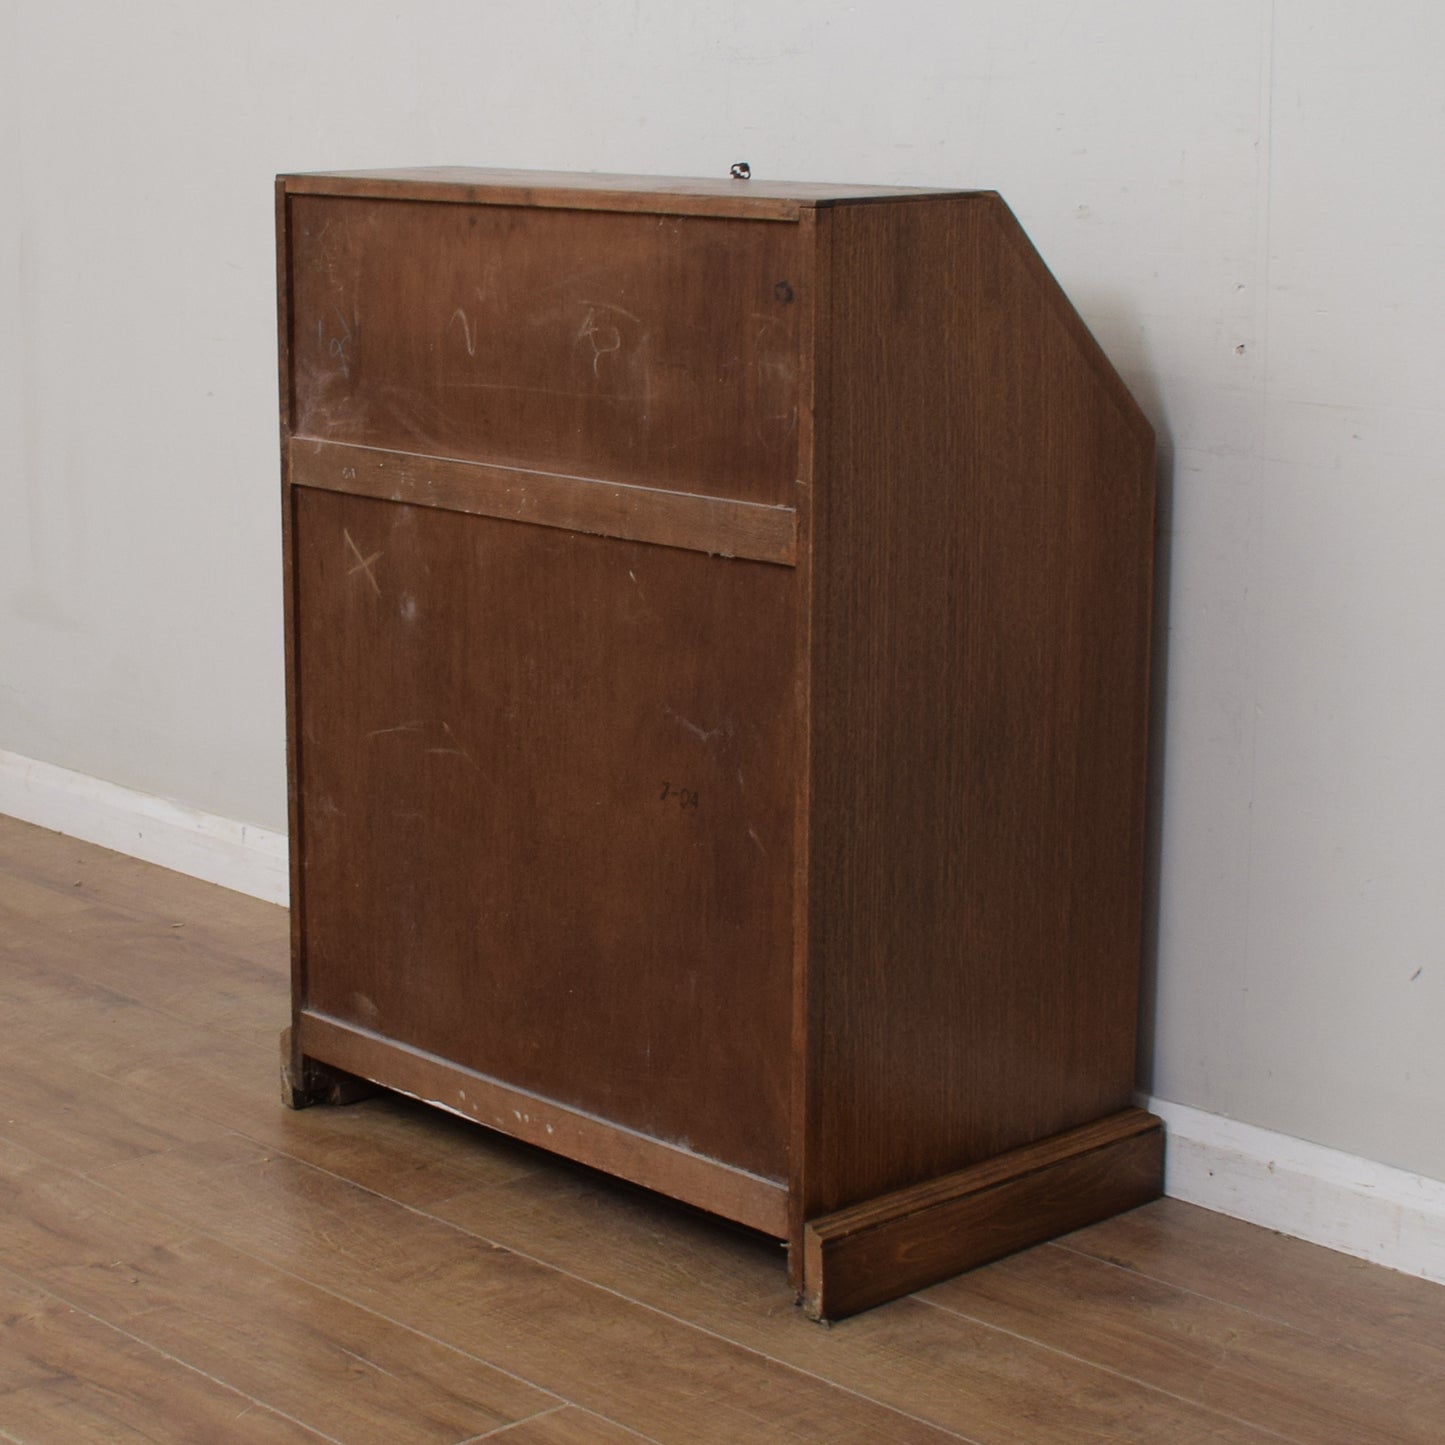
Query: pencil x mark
[[363, 564]]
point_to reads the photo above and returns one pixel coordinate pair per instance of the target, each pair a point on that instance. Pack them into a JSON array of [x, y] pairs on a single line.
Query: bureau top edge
[[596, 191]]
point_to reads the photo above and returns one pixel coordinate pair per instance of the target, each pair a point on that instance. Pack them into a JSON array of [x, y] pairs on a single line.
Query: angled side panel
[[982, 596]]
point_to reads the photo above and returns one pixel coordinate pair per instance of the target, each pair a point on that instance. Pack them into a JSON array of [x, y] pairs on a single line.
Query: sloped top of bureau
[[595, 191]]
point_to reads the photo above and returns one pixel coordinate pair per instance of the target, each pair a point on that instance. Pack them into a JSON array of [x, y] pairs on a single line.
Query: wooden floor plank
[[1345, 1302], [1222, 1357], [48, 1105], [613, 1356], [68, 1379], [23, 903], [159, 966], [121, 1074], [567, 1426], [101, 875], [99, 1027], [983, 1383], [342, 1371]]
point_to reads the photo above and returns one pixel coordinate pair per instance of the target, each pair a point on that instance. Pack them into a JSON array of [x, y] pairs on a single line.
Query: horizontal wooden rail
[[723, 526], [759, 1203]]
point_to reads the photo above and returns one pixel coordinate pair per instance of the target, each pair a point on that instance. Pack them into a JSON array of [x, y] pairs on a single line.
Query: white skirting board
[[1346, 1203], [1349, 1204], [235, 855]]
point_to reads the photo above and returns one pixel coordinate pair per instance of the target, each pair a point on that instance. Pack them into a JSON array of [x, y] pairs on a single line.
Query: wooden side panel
[[983, 537], [548, 804], [650, 350]]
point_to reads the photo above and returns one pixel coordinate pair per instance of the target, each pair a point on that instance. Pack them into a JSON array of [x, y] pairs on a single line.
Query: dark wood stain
[[718, 525], [547, 821], [783, 888], [982, 543], [899, 1242], [642, 349]]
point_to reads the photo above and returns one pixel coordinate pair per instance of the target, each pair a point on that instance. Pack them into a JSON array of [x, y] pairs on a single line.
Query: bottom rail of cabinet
[[327, 1055], [848, 1261]]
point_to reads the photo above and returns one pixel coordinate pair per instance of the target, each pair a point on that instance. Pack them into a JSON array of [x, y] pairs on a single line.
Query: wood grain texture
[[636, 1366], [716, 525], [571, 190], [45, 1106], [1218, 1356], [814, 333], [67, 1378], [652, 351], [896, 1243], [413, 1153], [1333, 1297], [548, 801], [901, 936], [759, 1203], [983, 1384], [982, 538], [569, 1426], [325, 1364]]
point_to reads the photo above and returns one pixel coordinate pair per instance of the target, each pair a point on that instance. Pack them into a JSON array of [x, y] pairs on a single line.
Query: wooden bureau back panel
[[644, 349], [718, 662], [546, 807]]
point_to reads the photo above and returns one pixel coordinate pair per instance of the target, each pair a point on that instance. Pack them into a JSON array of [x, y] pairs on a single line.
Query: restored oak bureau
[[718, 628]]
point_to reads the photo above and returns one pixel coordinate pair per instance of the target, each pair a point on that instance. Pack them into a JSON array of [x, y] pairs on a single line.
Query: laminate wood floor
[[182, 1259]]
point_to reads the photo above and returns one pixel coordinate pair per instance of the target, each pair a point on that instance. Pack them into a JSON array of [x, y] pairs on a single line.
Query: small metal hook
[[740, 171]]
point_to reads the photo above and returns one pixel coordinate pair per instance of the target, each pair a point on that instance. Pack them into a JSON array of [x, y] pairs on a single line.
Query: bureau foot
[[897, 1243], [306, 1081]]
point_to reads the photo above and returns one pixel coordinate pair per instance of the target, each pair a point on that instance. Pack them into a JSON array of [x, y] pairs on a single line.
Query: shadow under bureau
[[717, 641]]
